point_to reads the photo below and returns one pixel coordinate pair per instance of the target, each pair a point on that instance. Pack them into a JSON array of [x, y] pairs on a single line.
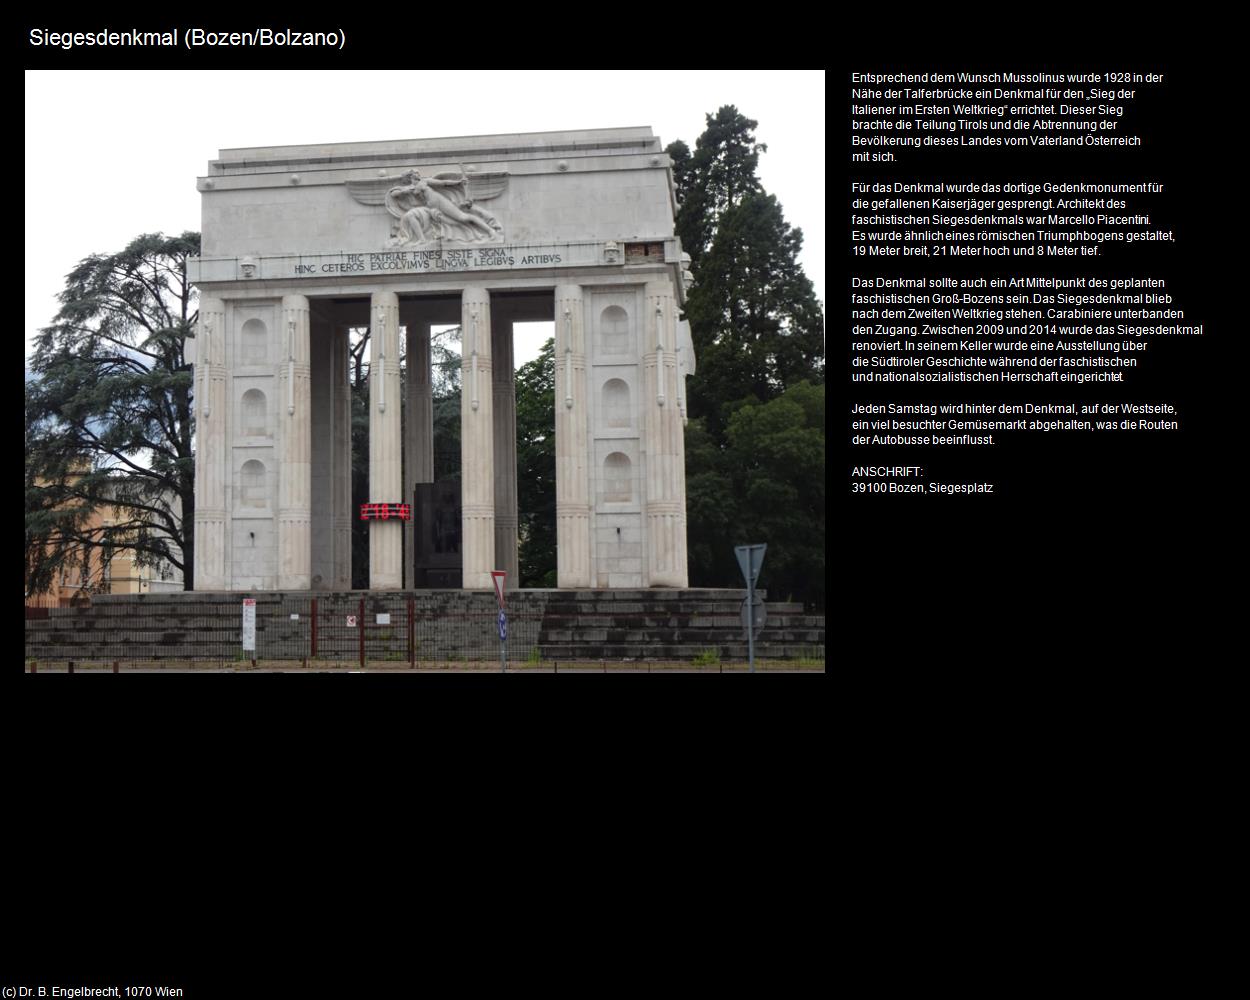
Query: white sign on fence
[[249, 624], [384, 618], [351, 621]]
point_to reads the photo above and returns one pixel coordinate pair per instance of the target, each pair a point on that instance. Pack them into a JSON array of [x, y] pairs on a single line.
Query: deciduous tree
[[536, 468]]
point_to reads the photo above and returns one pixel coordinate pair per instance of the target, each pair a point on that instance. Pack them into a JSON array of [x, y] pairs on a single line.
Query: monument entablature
[[302, 243]]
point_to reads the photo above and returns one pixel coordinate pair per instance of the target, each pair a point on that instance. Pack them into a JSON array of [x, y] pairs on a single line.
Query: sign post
[[750, 559], [249, 625], [499, 577]]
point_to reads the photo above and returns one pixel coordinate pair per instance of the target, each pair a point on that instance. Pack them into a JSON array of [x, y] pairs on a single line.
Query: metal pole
[[360, 622], [411, 646], [751, 623], [314, 628]]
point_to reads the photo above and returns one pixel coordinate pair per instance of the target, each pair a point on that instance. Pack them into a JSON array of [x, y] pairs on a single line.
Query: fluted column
[[386, 544], [211, 448], [419, 420], [662, 437], [341, 466], [295, 449], [503, 387], [477, 480], [572, 474]]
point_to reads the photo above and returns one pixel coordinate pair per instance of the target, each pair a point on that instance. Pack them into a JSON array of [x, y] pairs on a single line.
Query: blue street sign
[[503, 627]]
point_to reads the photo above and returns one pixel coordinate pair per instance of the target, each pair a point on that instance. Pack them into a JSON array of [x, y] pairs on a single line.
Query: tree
[[715, 179], [109, 418], [759, 326], [758, 333], [445, 388], [777, 450], [756, 323], [536, 468]]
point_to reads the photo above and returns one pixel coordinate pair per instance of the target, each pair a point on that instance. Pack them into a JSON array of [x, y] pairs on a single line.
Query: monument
[[303, 243]]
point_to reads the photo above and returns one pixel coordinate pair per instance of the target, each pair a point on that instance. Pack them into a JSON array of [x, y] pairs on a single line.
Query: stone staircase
[[671, 625], [425, 625]]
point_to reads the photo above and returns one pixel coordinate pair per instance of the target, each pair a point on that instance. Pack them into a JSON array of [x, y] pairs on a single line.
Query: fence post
[[360, 620], [71, 666], [314, 629], [412, 658], [116, 670]]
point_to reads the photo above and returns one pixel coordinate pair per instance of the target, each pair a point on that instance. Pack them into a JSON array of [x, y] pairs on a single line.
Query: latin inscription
[[467, 259]]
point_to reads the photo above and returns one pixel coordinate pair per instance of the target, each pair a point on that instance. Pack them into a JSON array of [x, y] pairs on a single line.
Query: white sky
[[112, 154]]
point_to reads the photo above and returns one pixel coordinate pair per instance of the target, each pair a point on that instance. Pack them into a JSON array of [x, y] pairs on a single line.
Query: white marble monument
[[301, 243]]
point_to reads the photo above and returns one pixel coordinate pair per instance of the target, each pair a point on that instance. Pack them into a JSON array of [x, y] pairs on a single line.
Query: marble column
[[211, 447], [295, 449], [321, 350], [419, 417], [386, 541], [341, 465], [503, 386], [665, 497], [477, 429], [572, 448]]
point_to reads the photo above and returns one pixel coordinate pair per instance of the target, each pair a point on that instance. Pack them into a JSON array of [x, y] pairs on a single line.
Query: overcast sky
[[112, 154]]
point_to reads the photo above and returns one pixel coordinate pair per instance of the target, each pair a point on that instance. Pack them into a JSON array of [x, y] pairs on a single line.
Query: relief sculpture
[[432, 209]]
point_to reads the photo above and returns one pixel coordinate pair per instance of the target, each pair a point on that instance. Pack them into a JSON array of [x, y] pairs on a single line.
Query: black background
[[1053, 650], [1093, 547]]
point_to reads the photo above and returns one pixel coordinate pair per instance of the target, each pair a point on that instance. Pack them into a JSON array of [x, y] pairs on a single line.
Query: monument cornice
[[601, 278], [304, 174], [478, 261], [521, 145]]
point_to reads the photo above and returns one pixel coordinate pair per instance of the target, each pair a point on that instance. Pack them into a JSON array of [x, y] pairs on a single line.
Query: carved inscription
[[466, 259]]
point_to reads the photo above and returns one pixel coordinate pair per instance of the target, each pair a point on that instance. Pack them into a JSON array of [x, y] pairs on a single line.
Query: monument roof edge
[[571, 138]]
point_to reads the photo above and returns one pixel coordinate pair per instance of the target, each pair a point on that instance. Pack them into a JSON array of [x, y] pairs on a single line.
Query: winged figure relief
[[442, 207]]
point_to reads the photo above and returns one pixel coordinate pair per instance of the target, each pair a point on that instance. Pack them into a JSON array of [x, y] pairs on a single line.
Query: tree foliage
[[109, 419], [777, 452], [536, 468], [758, 333]]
